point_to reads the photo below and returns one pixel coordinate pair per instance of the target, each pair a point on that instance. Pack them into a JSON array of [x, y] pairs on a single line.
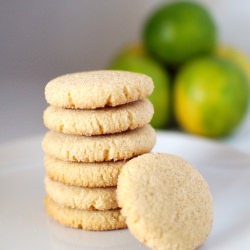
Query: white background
[[40, 40]]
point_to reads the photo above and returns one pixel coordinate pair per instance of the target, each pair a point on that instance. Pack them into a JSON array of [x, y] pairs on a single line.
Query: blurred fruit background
[[201, 85], [43, 39]]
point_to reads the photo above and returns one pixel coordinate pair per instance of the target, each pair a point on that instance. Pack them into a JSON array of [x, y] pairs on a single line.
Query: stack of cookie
[[98, 120]]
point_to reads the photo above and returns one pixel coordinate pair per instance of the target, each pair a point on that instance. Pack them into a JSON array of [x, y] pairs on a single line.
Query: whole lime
[[178, 31], [133, 58], [211, 96]]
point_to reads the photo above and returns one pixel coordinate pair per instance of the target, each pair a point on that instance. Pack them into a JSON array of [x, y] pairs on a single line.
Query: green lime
[[211, 96], [134, 58], [179, 31]]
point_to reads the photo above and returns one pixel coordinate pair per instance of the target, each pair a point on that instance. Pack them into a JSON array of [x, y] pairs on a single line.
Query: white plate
[[25, 225]]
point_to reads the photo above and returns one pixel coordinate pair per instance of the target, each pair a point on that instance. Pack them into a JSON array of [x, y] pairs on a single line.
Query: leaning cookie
[[87, 220], [120, 146], [83, 174], [166, 202], [81, 198], [97, 89], [99, 121]]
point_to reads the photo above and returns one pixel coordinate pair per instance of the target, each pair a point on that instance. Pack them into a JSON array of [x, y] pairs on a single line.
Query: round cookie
[[83, 174], [99, 121], [166, 202], [87, 220], [97, 89], [100, 148], [81, 198]]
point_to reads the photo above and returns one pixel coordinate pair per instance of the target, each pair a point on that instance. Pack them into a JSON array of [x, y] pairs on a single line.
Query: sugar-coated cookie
[[99, 121], [83, 174], [81, 198], [97, 89], [87, 220], [166, 202], [100, 148]]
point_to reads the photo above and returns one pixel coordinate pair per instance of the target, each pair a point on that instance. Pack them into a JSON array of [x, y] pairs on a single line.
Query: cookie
[[99, 121], [103, 174], [166, 202], [100, 148], [97, 89], [88, 220], [81, 198]]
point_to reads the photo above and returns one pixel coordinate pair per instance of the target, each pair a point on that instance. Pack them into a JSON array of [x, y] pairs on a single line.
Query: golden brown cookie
[[99, 121], [100, 148], [81, 198], [166, 202], [97, 89], [83, 174], [87, 220]]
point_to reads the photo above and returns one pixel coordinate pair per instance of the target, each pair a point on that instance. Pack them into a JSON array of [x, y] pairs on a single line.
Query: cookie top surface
[[166, 202], [99, 121], [97, 89], [100, 148]]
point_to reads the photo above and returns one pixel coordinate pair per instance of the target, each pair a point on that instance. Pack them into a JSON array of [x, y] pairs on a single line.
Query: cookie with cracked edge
[[83, 174], [99, 121], [81, 198], [120, 146], [83, 219], [97, 89]]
